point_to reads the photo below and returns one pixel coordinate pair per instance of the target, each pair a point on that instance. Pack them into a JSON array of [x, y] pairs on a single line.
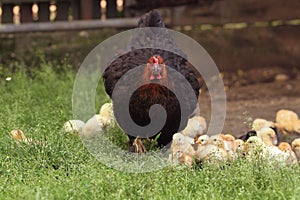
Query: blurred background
[[255, 44], [238, 34]]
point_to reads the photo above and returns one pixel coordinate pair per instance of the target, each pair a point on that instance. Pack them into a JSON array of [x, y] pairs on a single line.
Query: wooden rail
[[71, 25]]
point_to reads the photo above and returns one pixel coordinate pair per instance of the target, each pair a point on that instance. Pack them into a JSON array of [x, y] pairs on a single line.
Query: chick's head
[[296, 144], [285, 147]]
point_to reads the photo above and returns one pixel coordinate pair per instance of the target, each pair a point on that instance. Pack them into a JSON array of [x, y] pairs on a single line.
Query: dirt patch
[[258, 99]]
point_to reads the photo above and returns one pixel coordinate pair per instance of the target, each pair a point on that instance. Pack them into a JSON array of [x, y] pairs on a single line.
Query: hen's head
[[151, 19], [156, 59], [156, 67]]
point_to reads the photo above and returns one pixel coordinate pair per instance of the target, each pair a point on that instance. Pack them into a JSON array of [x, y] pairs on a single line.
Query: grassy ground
[[39, 102]]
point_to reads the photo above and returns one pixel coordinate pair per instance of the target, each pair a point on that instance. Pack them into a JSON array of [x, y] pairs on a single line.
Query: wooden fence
[[236, 33], [25, 11], [175, 12]]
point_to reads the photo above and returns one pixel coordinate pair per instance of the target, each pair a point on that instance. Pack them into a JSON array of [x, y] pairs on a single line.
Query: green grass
[[39, 102]]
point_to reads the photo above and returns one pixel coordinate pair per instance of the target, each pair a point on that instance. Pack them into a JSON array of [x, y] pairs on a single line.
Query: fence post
[[44, 12], [86, 9], [111, 9], [96, 9], [62, 10], [75, 4], [7, 13], [26, 12], [90, 9]]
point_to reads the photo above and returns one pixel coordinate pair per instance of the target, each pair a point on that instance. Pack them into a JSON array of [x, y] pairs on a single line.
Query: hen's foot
[[138, 146]]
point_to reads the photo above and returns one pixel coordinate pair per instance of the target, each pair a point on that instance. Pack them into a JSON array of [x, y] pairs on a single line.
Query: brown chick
[[184, 143], [186, 159], [286, 148], [178, 156], [19, 136], [229, 142]]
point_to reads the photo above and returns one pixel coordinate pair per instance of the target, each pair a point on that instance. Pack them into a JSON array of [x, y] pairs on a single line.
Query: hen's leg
[[158, 76], [138, 146], [152, 76]]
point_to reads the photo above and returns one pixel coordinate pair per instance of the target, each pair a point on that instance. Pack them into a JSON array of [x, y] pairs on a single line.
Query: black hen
[[160, 73]]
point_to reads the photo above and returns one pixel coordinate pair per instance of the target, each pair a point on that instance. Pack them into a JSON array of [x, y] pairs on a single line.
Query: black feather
[[248, 135]]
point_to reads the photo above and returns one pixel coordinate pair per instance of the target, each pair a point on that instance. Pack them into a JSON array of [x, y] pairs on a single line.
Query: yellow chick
[[286, 148], [287, 121], [99, 123], [259, 124], [74, 126], [239, 144], [296, 126], [296, 147], [239, 148], [253, 145], [178, 156], [196, 126], [202, 140], [184, 143], [93, 127], [180, 139], [229, 145], [268, 136], [211, 153], [255, 148], [106, 114], [210, 149], [216, 140]]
